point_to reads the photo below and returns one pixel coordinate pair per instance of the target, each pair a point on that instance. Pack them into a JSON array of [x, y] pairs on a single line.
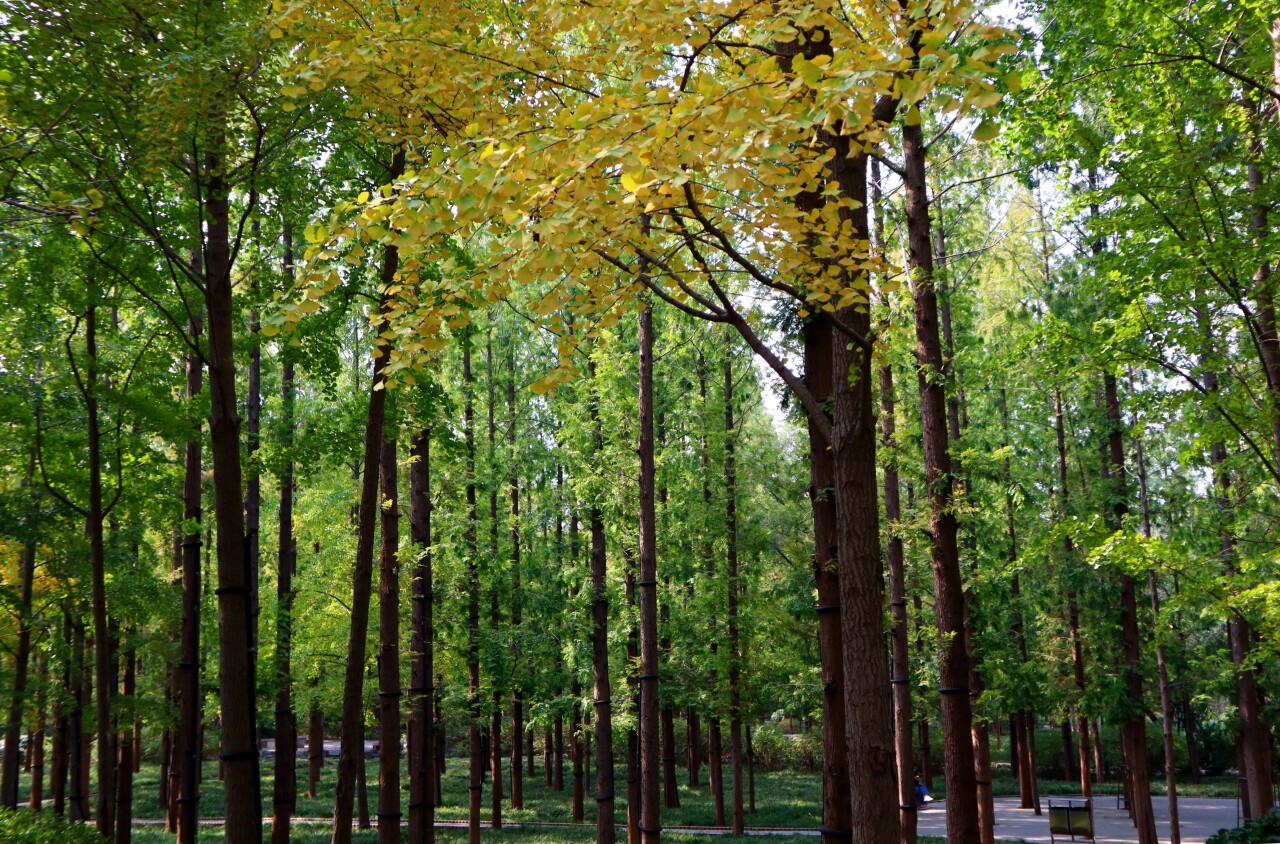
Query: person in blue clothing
[[923, 796]]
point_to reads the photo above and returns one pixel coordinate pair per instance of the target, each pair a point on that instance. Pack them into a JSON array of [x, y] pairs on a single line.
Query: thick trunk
[[185, 788], [389, 647], [1133, 732], [239, 752], [422, 767], [693, 730], [899, 637], [650, 750], [957, 714], [351, 753], [285, 793]]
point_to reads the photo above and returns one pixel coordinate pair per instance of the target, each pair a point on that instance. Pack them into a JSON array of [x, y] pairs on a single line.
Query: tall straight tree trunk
[[315, 750], [817, 336], [517, 695], [1255, 744], [127, 748], [715, 754], [239, 753], [1162, 666], [351, 752], [187, 751], [76, 810], [575, 721], [389, 647], [1133, 731], [21, 663], [670, 787], [957, 713], [731, 569], [650, 751], [422, 766], [253, 482], [693, 731], [59, 761], [94, 515], [602, 691], [285, 796], [1073, 605], [36, 802], [475, 781], [495, 612], [901, 658], [633, 686]]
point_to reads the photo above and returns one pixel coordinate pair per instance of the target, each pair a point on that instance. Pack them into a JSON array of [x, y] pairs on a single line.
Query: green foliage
[[1263, 830], [26, 827]]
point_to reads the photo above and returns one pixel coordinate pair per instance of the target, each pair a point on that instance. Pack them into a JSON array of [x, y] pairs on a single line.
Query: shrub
[[776, 751], [27, 827], [1261, 830]]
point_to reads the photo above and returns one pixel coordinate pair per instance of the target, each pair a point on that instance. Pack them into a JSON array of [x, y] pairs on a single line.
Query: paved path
[[1199, 818]]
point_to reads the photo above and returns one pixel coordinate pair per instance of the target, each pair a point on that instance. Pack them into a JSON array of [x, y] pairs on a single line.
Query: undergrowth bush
[[26, 827], [1263, 830]]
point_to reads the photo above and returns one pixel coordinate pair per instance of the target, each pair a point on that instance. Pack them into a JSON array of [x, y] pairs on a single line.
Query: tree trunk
[[517, 694], [422, 765], [253, 486], [1166, 697], [731, 566], [1133, 731], [475, 781], [693, 730], [577, 755], [285, 796], [600, 648], [389, 646], [315, 750], [128, 749], [185, 789], [239, 752], [899, 637], [495, 614], [76, 809], [59, 763], [650, 751], [957, 714], [557, 782], [21, 663], [36, 802], [351, 753]]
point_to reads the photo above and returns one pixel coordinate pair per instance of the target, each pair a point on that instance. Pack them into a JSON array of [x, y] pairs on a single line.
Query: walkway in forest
[[1199, 818]]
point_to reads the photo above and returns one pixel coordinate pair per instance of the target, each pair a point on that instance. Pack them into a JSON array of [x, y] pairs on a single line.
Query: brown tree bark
[[389, 691], [650, 750], [1133, 732], [957, 714], [731, 570], [315, 750], [36, 802], [128, 750], [21, 663], [475, 782], [422, 764], [517, 694], [602, 690], [285, 795], [693, 755], [351, 753], [239, 753], [899, 636], [185, 788]]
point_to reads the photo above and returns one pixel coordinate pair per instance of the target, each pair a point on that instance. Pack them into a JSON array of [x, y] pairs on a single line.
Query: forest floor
[[786, 800]]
